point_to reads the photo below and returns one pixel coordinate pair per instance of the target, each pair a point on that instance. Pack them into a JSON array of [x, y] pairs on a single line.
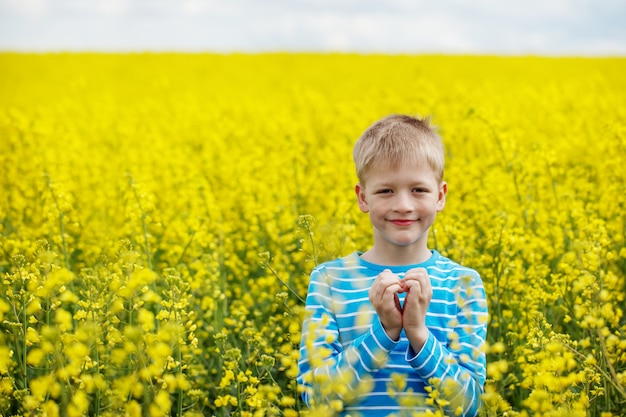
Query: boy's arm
[[458, 369], [327, 370]]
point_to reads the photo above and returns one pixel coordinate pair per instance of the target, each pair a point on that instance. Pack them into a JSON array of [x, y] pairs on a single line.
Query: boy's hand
[[419, 292], [384, 298]]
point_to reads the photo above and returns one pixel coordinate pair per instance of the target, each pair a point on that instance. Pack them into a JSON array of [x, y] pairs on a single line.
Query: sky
[[513, 27]]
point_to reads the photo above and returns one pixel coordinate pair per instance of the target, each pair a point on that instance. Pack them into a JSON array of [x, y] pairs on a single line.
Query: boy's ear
[[360, 195], [441, 198]]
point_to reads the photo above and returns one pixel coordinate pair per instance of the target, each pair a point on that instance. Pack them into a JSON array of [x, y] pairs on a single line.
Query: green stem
[[179, 405], [145, 238], [193, 234], [273, 271], [24, 328], [599, 369], [305, 221], [93, 296], [61, 216], [131, 182], [614, 378]]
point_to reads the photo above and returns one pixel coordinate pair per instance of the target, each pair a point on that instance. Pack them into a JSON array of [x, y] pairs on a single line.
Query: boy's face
[[402, 202]]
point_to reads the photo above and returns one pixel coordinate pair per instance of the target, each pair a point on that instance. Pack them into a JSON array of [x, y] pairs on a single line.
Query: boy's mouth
[[403, 222]]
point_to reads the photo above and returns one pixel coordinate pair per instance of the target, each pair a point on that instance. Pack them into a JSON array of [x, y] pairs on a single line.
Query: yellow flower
[[33, 307], [227, 379], [40, 387], [225, 400], [497, 348], [35, 356], [183, 229], [133, 409], [161, 404], [63, 319], [50, 409], [79, 404], [287, 401], [77, 351], [146, 319]]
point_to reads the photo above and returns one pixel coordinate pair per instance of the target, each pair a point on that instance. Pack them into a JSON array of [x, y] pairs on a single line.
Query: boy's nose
[[403, 202]]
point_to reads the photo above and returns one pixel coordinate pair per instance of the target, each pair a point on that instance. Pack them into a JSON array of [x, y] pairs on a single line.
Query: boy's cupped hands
[[410, 316]]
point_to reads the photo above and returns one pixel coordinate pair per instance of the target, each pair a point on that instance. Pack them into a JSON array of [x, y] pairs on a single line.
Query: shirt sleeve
[[323, 358], [457, 369]]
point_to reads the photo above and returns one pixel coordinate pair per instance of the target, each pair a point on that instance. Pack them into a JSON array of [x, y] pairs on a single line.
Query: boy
[[399, 328]]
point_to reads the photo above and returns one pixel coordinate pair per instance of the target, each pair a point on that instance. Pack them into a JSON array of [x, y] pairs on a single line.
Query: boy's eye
[[384, 191], [419, 190]]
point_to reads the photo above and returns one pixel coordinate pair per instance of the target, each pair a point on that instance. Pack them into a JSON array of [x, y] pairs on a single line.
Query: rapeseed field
[[160, 214]]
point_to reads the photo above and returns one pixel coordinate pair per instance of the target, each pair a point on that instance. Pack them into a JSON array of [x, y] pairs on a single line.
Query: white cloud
[[447, 26], [25, 7], [200, 7], [112, 7]]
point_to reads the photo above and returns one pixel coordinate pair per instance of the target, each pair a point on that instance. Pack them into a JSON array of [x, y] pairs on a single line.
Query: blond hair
[[398, 139]]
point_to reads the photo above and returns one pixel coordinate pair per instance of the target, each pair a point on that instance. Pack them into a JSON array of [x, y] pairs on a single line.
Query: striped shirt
[[347, 360]]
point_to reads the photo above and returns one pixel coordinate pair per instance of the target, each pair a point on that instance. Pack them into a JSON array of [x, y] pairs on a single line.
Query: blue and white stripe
[[342, 327]]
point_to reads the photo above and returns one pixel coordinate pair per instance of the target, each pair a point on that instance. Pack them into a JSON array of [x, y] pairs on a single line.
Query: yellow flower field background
[[160, 213]]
